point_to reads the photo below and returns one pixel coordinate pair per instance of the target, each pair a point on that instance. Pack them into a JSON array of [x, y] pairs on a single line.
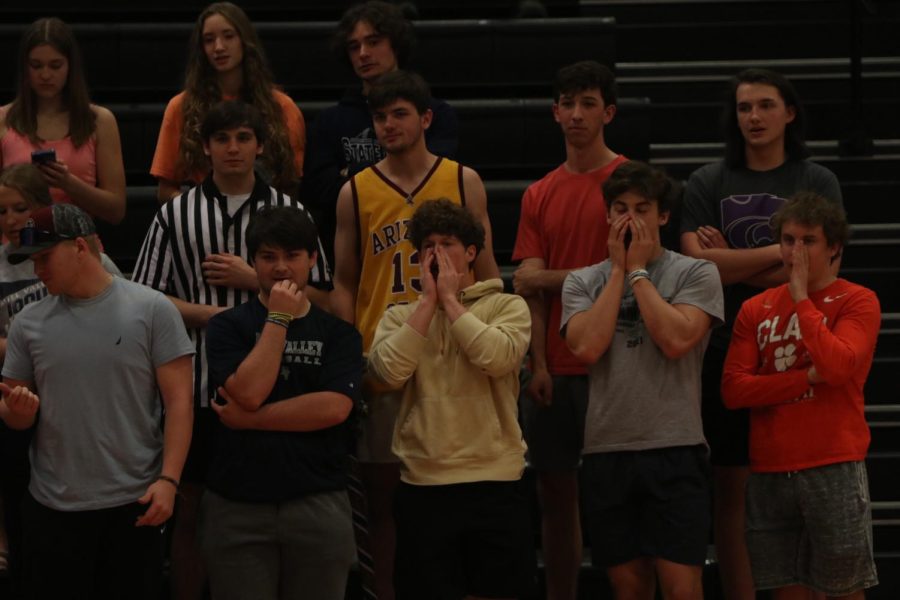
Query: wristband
[[280, 315], [278, 321], [637, 275], [168, 479]]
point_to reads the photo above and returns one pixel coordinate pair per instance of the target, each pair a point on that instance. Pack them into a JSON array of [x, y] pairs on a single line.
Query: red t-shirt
[[564, 223], [795, 425]]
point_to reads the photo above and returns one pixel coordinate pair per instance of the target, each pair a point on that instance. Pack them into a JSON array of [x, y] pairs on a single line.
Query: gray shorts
[[288, 550], [555, 434], [812, 528]]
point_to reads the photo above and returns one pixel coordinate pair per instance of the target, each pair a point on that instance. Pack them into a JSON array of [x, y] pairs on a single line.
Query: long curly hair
[[22, 113], [202, 91]]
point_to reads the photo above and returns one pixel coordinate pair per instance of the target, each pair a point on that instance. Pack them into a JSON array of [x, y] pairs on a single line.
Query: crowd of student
[[280, 386]]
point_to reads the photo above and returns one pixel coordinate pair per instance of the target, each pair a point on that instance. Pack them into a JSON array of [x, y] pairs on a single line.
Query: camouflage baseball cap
[[50, 225]]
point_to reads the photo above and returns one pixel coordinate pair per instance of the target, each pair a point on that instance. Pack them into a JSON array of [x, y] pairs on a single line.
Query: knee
[[688, 589]]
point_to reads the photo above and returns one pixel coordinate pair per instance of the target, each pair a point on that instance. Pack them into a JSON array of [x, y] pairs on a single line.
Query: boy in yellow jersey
[[377, 266]]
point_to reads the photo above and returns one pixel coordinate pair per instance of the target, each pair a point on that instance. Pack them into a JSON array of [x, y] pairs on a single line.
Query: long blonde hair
[[203, 91]]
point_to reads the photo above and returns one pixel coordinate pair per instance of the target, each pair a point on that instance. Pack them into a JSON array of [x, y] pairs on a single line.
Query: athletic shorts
[[555, 433], [813, 528], [377, 427], [463, 539], [647, 504], [726, 431]]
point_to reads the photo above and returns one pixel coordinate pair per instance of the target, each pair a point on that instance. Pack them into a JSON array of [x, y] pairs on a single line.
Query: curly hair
[[202, 91], [445, 217], [22, 113]]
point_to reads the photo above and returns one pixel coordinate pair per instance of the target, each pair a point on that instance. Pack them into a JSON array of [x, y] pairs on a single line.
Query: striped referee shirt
[[186, 230]]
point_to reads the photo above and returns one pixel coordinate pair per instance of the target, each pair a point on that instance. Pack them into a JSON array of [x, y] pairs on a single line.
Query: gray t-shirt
[[639, 399], [19, 286], [98, 441]]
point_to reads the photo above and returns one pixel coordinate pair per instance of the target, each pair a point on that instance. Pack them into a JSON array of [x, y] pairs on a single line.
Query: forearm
[[771, 277], [253, 380], [669, 328], [179, 421], [106, 205], [395, 352], [538, 308], [421, 317], [497, 348], [736, 266], [744, 389], [589, 334], [839, 349], [195, 316], [307, 412]]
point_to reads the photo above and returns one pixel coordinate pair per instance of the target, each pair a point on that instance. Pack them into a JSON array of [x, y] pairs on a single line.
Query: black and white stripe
[[187, 229]]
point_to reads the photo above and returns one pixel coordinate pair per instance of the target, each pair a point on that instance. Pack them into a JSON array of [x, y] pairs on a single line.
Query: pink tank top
[[16, 148]]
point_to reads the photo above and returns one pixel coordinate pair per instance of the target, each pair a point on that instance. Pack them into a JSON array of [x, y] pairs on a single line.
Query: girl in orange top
[[227, 62], [52, 110]]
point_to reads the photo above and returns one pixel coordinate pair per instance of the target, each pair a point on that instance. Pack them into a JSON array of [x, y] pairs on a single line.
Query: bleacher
[[673, 59]]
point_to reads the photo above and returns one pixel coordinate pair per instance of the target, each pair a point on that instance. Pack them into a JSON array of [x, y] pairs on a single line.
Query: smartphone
[[627, 238], [42, 157]]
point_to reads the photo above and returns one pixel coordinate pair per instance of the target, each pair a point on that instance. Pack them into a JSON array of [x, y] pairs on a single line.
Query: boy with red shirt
[[563, 227], [799, 357]]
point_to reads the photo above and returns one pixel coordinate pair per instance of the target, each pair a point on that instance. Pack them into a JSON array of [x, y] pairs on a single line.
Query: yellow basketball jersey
[[389, 271]]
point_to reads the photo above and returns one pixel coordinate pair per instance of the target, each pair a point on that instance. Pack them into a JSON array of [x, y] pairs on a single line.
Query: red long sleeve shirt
[[795, 425]]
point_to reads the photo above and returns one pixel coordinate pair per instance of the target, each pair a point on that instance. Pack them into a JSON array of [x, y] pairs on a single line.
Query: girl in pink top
[[227, 62], [52, 110]]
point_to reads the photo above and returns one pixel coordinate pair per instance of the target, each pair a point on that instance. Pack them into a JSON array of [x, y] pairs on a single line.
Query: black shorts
[[727, 431], [463, 539], [647, 503], [90, 554]]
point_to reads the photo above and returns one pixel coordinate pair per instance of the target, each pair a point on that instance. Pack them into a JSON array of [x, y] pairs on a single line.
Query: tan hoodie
[[458, 419]]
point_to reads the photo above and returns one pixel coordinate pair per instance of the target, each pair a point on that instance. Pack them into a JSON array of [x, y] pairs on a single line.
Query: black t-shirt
[[322, 353]]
